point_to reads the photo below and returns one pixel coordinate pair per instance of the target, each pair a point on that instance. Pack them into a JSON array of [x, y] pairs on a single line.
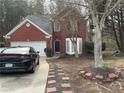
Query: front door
[[57, 46]]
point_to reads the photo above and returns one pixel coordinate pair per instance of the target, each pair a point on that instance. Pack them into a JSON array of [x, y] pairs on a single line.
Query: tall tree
[[115, 22], [99, 10], [60, 5], [12, 11], [72, 28], [39, 7]]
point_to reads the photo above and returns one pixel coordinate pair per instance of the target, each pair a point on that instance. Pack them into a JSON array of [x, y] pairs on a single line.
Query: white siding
[[38, 46]]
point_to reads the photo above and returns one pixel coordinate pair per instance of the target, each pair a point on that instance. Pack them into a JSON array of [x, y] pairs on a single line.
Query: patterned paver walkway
[[57, 81]]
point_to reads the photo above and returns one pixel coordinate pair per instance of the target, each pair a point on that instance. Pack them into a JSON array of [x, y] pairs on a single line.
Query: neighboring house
[[32, 31], [60, 40]]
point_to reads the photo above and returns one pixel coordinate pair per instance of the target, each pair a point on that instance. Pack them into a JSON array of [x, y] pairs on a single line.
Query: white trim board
[[22, 23]]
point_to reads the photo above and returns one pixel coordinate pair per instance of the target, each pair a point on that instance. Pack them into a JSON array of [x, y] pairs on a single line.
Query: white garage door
[[38, 46]]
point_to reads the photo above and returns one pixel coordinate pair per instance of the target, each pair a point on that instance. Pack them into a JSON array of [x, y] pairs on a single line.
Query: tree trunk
[[115, 34], [75, 50], [74, 43], [120, 33], [98, 47]]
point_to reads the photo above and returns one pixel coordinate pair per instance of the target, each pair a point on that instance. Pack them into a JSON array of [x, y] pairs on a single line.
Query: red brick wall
[[62, 34], [28, 33]]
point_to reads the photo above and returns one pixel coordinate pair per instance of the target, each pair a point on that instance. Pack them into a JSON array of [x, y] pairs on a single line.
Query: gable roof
[[42, 23]]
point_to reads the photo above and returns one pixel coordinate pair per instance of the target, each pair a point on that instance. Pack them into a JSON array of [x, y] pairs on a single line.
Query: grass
[[115, 62], [120, 58]]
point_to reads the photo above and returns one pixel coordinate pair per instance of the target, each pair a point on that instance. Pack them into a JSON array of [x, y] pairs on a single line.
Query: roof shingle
[[42, 21]]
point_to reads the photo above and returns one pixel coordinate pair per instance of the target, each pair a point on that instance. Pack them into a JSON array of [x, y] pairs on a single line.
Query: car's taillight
[[24, 57]]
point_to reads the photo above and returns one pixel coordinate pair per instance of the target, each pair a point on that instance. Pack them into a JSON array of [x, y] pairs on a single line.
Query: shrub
[[49, 52], [103, 46], [90, 46], [2, 45]]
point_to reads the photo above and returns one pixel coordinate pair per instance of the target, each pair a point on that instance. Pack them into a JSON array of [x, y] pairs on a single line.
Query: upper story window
[[56, 26], [77, 25]]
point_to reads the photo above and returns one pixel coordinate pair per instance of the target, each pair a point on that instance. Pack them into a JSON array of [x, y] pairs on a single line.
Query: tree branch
[[67, 2], [109, 10]]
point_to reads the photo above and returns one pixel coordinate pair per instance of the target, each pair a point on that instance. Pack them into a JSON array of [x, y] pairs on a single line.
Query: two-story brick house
[[60, 40]]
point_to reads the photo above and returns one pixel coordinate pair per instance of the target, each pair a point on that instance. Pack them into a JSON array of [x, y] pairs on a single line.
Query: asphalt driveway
[[25, 82]]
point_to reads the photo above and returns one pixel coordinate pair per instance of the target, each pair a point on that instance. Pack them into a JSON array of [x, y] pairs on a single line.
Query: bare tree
[[98, 17], [72, 30], [39, 7], [115, 22], [71, 16]]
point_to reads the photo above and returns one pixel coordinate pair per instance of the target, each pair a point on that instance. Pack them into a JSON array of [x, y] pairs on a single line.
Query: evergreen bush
[[49, 52]]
